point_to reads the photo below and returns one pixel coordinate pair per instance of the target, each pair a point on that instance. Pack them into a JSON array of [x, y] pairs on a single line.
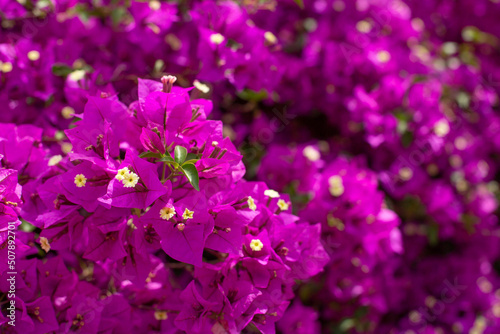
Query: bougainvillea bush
[[267, 166]]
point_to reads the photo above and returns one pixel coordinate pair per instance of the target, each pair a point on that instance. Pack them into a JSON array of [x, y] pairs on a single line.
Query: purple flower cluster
[[151, 214], [136, 210]]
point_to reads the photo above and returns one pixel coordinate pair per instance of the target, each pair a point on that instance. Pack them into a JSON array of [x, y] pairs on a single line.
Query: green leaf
[[469, 221], [61, 70], [149, 154], [192, 175], [117, 15], [232, 44], [27, 227], [433, 234], [166, 158], [83, 12], [159, 65], [180, 154], [169, 161], [347, 324], [300, 3], [406, 139], [251, 95], [190, 161]]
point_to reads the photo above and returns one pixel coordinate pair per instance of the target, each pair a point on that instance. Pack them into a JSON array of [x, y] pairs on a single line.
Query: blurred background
[[379, 118]]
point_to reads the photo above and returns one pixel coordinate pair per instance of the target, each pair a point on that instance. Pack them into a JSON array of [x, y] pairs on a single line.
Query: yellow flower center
[[80, 180], [201, 87], [383, 56], [77, 75], [251, 203], [67, 112], [216, 38], [256, 245], [33, 55], [282, 205], [336, 186], [363, 26], [161, 315], [167, 212], [44, 242], [66, 147], [122, 174], [271, 193], [269, 36], [154, 5], [188, 214], [441, 128], [6, 67], [335, 222], [130, 180], [54, 160], [405, 173], [311, 153]]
